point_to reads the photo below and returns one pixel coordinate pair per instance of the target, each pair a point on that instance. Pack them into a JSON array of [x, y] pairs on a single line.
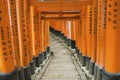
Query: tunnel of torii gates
[[92, 27]]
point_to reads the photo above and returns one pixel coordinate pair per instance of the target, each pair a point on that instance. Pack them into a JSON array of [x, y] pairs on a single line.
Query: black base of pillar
[[80, 57], [41, 56], [59, 33], [21, 74], [53, 31], [10, 76], [68, 42], [76, 49], [91, 67], [65, 39], [109, 76], [37, 62], [97, 73], [62, 36], [48, 49], [45, 55], [73, 43], [27, 73], [78, 53], [56, 33], [87, 63], [32, 66], [83, 61]]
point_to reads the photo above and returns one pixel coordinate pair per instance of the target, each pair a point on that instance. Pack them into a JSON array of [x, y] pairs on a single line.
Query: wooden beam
[[71, 12], [57, 15], [68, 18], [60, 6]]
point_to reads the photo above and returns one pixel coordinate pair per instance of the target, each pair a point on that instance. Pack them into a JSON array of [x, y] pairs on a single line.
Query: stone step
[[61, 67]]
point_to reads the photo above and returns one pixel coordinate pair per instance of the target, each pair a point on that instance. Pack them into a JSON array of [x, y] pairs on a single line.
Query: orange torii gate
[[88, 34], [100, 51], [93, 38], [24, 35], [7, 60], [112, 42]]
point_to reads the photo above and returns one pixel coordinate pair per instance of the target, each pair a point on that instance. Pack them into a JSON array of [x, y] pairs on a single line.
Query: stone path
[[61, 67]]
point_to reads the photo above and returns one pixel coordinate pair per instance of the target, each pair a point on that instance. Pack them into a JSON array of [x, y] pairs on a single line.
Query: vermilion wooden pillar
[[112, 51], [36, 38], [65, 31], [83, 24], [58, 27], [75, 32], [44, 33], [48, 36], [77, 37], [30, 33], [62, 24], [52, 24], [94, 34], [7, 61], [42, 25], [73, 37], [40, 37], [15, 33], [78, 24], [15, 37], [61, 28], [24, 54], [100, 53], [80, 35], [68, 32], [88, 34]]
